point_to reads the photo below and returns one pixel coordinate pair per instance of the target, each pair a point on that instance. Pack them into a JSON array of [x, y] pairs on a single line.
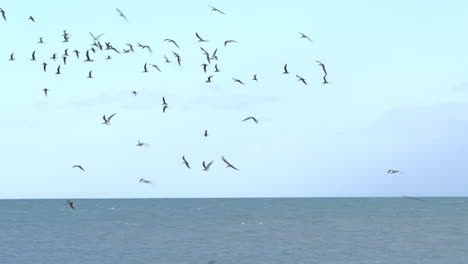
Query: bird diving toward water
[[323, 67], [228, 165], [206, 167], [32, 19], [304, 36], [79, 167], [45, 91], [3, 14], [286, 69], [122, 15], [300, 79], [108, 119], [185, 162], [252, 118], [229, 41], [173, 42], [200, 38], [71, 204], [214, 9]]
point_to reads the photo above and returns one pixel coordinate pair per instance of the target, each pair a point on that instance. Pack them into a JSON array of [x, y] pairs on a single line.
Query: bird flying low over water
[[3, 14], [200, 38], [252, 118], [122, 15], [216, 10], [78, 166], [173, 42], [228, 165], [71, 204], [185, 162], [206, 167], [108, 119]]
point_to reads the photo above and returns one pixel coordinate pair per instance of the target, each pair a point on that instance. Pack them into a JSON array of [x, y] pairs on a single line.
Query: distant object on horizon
[[414, 198]]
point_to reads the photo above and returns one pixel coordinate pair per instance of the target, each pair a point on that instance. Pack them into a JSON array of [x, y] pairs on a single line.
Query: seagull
[[206, 133], [145, 181], [3, 14], [144, 68], [216, 9], [204, 65], [45, 91], [185, 162], [89, 74], [323, 66], [304, 36], [122, 15], [64, 60], [229, 165], [178, 58], [107, 120], [71, 204], [216, 68], [87, 57], [96, 38], [286, 69], [12, 57], [140, 144], [164, 108], [255, 78], [167, 60], [108, 57], [79, 167], [156, 66], [145, 47], [209, 79], [40, 41], [229, 41], [58, 70], [206, 167], [134, 93], [173, 42], [199, 38], [77, 53], [300, 79], [251, 117], [237, 80], [130, 46], [44, 66], [393, 171], [32, 19], [33, 56], [54, 56]]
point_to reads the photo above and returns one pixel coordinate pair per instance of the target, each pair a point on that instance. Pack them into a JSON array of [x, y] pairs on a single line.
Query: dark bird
[[229, 41], [33, 56], [65, 53], [204, 65], [286, 69], [96, 38], [77, 53], [304, 36], [323, 67], [177, 57], [130, 46], [228, 165], [40, 41], [71, 204], [213, 56], [58, 70], [251, 117], [173, 42], [414, 198], [185, 162], [238, 81], [206, 167], [45, 91], [166, 59], [66, 38], [64, 60], [255, 78], [156, 66], [300, 79], [216, 9], [87, 57], [90, 76], [145, 47], [145, 69], [393, 171], [12, 57], [54, 56], [216, 68], [140, 144], [107, 120], [32, 19], [164, 108], [134, 93], [199, 38], [122, 14], [78, 166], [44, 66], [145, 181], [206, 133], [325, 79], [164, 101], [208, 80], [3, 14]]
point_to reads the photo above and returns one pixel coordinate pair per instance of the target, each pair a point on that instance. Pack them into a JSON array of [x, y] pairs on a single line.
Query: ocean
[[225, 231]]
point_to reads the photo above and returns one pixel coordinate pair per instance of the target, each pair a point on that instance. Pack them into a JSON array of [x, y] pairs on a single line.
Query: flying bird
[[107, 120], [208, 80], [77, 53], [134, 93], [173, 42], [229, 41], [286, 69], [252, 118], [71, 204], [323, 66], [40, 41], [145, 181], [12, 57], [144, 68], [164, 108], [206, 167], [58, 70], [300, 79], [79, 167], [164, 101], [228, 165], [204, 65], [166, 59], [87, 57], [216, 68], [140, 144], [414, 198], [304, 36], [33, 56], [177, 57], [54, 56], [156, 66], [145, 47], [238, 81], [96, 38], [206, 133], [45, 91], [199, 38], [393, 171], [90, 76], [44, 66], [32, 19], [3, 14], [325, 79], [185, 162], [255, 78], [122, 15], [216, 10]]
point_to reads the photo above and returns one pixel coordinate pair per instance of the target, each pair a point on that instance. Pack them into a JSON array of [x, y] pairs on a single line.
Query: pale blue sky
[[397, 100]]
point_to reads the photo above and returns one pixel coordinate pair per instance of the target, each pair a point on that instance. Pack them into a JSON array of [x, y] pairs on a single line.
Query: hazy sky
[[398, 99]]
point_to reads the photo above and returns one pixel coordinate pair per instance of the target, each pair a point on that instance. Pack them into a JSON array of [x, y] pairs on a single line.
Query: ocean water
[[302, 230]]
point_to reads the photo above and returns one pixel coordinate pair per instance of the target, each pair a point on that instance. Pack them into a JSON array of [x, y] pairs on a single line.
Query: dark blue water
[[338, 231]]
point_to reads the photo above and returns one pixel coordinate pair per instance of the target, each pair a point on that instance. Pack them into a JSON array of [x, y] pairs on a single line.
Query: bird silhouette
[[185, 162], [108, 119], [255, 78], [41, 41], [145, 181], [12, 57], [145, 69], [88, 59], [122, 15], [206, 133], [238, 81], [323, 67], [286, 69], [96, 38], [145, 47], [206, 167], [173, 42], [208, 80], [216, 10], [78, 166], [45, 91], [32, 19], [229, 41], [304, 36], [228, 165], [44, 66], [71, 204], [3, 14], [33, 56], [300, 79], [251, 118], [58, 70], [90, 76], [200, 39]]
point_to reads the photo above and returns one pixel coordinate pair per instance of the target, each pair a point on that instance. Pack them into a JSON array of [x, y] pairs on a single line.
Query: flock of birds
[[97, 46]]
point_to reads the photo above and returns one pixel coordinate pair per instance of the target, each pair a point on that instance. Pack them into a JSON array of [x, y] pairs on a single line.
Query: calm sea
[[315, 230]]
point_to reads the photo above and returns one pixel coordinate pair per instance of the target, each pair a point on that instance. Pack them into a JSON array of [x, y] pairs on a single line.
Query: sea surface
[[260, 231]]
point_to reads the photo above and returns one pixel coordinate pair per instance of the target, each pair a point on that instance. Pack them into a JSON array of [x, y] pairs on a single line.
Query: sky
[[397, 99]]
